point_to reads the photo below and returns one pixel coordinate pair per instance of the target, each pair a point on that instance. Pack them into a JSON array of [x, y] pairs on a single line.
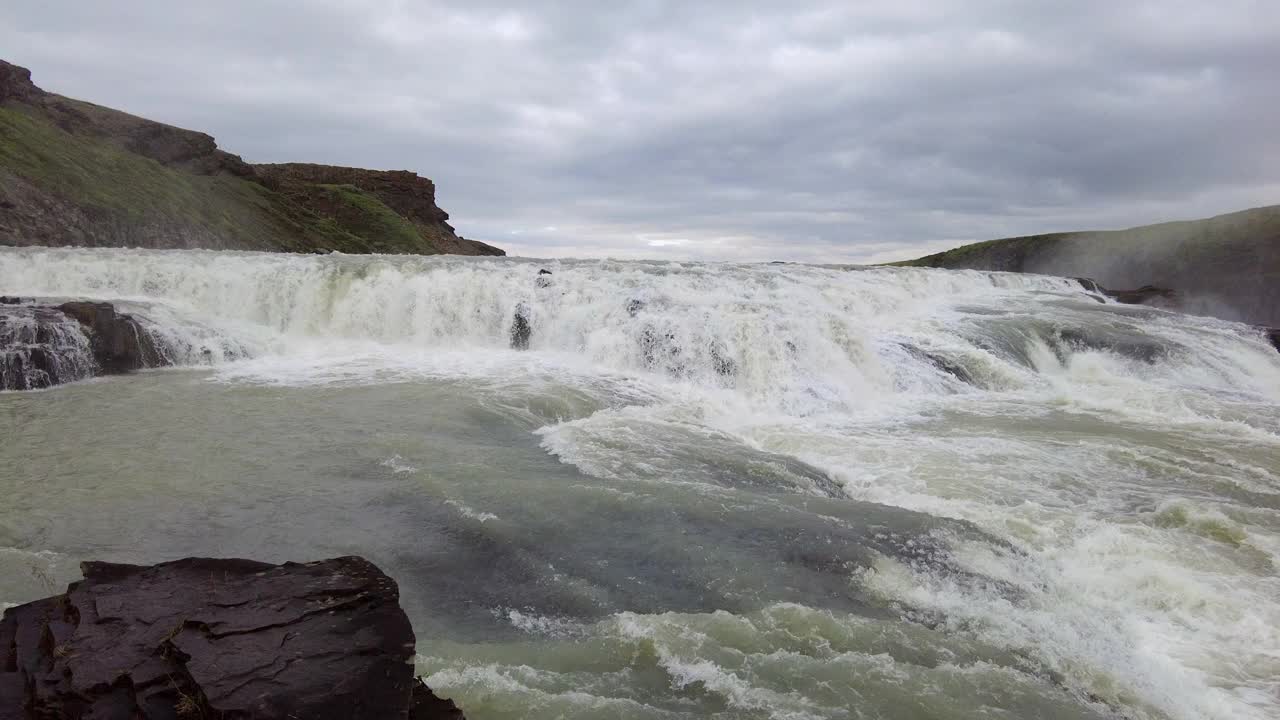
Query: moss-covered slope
[[1227, 266], [74, 173]]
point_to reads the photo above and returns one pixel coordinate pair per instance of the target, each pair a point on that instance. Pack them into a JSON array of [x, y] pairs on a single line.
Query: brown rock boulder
[[211, 638], [45, 345], [120, 343]]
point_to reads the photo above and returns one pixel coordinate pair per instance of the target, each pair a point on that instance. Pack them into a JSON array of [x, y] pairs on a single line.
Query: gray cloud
[[738, 130]]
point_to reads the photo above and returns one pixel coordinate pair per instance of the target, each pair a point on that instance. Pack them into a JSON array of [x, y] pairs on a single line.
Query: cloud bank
[[819, 132]]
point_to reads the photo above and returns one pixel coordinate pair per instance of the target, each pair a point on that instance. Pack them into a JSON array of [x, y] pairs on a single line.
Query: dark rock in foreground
[[1273, 334], [46, 345], [209, 638]]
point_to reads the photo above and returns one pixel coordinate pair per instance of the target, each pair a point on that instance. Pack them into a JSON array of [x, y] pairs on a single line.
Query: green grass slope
[[75, 173], [1227, 266], [129, 199]]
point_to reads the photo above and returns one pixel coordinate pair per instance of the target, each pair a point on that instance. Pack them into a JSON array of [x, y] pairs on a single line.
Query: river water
[[726, 491]]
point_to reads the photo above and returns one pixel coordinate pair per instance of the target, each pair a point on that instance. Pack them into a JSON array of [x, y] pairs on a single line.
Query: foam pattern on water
[[1130, 456]]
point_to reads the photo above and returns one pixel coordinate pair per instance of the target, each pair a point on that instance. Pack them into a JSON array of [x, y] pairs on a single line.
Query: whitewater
[[683, 490]]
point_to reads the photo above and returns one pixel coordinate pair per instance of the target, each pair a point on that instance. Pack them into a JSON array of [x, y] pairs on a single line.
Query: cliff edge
[[75, 173]]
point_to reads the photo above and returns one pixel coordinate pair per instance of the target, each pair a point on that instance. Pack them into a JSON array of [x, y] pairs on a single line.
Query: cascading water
[[39, 348], [907, 491]]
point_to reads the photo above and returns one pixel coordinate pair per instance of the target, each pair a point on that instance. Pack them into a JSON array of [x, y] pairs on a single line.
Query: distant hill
[[75, 173], [1227, 266]]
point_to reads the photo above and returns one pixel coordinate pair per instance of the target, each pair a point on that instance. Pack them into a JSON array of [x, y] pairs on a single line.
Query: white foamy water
[[1121, 467]]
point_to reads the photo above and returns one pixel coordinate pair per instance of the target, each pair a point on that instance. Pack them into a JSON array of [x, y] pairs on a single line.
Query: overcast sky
[[739, 130]]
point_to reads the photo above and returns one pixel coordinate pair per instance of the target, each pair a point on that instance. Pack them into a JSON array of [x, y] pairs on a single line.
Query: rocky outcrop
[[412, 196], [1145, 295], [168, 145], [41, 347], [119, 342], [210, 638], [46, 345], [75, 173], [15, 83], [1156, 297], [409, 195], [184, 149], [521, 327], [942, 362]]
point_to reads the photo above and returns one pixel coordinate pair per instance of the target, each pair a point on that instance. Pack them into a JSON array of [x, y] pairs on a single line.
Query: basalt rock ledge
[[217, 639], [42, 345]]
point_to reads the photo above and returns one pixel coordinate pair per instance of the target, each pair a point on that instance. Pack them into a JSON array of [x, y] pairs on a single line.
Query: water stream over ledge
[[734, 491]]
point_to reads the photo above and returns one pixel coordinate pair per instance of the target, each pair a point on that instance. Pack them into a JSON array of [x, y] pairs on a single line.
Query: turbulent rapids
[[659, 490]]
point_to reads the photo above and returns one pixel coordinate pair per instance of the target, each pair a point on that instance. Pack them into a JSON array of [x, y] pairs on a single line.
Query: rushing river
[[728, 491]]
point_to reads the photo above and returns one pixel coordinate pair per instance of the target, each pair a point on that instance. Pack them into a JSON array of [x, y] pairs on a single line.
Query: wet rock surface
[[44, 345], [120, 343], [521, 327], [1164, 298], [41, 347], [216, 638], [1145, 295], [940, 361]]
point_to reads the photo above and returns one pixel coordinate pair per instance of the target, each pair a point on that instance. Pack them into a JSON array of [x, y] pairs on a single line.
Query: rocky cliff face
[[15, 83], [75, 173], [409, 195]]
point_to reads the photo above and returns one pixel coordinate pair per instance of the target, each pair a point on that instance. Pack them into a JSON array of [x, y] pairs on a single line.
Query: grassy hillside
[[1228, 266], [73, 173], [977, 255], [364, 218], [120, 189]]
